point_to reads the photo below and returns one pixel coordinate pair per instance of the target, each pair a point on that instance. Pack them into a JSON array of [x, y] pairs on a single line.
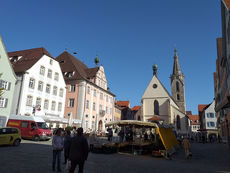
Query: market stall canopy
[[131, 122]]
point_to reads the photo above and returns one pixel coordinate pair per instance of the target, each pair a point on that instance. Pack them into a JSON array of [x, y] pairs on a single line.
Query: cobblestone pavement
[[36, 157]]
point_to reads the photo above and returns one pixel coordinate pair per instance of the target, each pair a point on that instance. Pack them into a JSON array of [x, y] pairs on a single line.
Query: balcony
[[102, 113]]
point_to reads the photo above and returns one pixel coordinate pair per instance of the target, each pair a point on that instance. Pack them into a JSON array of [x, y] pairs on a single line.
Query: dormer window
[[62, 61], [70, 74]]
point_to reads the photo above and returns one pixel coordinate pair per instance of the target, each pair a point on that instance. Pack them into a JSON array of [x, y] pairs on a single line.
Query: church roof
[[176, 65], [136, 108], [123, 103]]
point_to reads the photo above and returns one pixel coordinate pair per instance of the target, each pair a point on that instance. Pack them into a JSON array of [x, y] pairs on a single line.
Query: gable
[[155, 89], [6, 67]]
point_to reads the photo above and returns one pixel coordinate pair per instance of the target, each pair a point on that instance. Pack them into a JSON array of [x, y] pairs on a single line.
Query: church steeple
[[176, 65], [177, 83]]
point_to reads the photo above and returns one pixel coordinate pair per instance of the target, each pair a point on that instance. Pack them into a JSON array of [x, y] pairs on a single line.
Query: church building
[[157, 102]]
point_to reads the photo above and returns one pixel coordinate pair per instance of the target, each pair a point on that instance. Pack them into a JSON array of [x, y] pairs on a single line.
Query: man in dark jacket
[[78, 152]]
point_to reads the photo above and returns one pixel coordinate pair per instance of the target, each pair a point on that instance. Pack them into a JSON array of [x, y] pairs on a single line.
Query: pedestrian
[[110, 135], [57, 145], [73, 132], [67, 140], [121, 135], [186, 146], [78, 151]]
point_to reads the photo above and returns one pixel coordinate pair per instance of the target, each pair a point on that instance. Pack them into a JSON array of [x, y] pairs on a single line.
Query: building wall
[[207, 120], [34, 72], [9, 78], [117, 114]]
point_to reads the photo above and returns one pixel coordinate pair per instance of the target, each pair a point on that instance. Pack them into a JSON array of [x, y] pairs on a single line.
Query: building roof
[[188, 112], [201, 107], [26, 58], [69, 63], [194, 119], [123, 103], [227, 3], [155, 118], [136, 108]]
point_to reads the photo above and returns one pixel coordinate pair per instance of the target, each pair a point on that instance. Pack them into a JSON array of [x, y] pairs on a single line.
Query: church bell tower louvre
[[177, 83]]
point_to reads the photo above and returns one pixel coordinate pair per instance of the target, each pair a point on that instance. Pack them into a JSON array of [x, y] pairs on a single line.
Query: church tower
[[177, 84]]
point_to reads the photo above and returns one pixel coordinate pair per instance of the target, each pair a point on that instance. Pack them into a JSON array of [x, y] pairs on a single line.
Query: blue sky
[[129, 36]]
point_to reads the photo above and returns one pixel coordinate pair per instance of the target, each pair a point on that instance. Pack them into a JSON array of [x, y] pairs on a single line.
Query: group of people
[[75, 148]]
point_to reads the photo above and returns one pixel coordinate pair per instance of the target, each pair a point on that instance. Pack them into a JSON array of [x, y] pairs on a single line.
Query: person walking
[[57, 145], [186, 146], [78, 152], [67, 140]]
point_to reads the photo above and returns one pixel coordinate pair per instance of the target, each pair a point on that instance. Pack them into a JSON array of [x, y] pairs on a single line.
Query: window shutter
[[6, 101], [9, 84], [0, 83]]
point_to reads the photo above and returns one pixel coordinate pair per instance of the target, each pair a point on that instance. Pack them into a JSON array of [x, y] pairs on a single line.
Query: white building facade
[[40, 90]]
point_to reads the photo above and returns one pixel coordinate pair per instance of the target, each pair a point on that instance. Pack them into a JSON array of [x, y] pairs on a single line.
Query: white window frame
[[29, 100], [56, 76], [55, 90], [42, 70], [31, 83], [53, 106], [46, 104], [71, 102]]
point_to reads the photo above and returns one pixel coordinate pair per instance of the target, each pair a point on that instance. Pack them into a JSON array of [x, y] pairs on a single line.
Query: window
[[55, 90], [46, 104], [38, 101], [48, 88], [107, 98], [49, 75], [5, 84], [71, 103], [29, 101], [42, 70], [156, 107], [212, 124], [25, 124], [93, 125], [40, 85], [61, 92], [56, 76], [3, 102], [31, 83], [208, 116], [53, 106], [208, 124], [51, 62], [94, 107], [59, 107], [72, 88], [178, 126], [178, 97], [211, 115], [110, 111], [70, 74], [94, 92], [88, 91], [100, 107], [101, 96], [177, 86], [106, 109], [87, 104]]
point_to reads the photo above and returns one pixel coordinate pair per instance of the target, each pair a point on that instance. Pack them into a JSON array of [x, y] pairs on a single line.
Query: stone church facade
[[156, 100]]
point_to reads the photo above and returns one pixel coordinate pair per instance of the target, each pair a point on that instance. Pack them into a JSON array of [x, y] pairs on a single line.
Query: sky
[[129, 36]]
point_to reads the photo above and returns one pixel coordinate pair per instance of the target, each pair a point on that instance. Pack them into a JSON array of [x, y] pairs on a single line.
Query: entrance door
[[100, 126]]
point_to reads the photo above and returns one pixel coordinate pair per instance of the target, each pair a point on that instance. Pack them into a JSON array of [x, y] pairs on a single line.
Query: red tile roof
[[227, 3], [123, 103], [194, 119], [28, 58], [201, 107], [188, 112], [136, 108]]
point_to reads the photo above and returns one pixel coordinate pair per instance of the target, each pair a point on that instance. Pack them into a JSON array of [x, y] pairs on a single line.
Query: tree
[[1, 89]]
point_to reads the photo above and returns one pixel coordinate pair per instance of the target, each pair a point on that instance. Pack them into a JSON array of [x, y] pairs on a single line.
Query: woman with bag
[[57, 145]]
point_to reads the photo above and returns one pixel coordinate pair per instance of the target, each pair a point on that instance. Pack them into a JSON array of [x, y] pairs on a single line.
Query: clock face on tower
[[154, 86]]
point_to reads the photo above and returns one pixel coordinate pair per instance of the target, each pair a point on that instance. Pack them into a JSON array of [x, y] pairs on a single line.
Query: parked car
[[10, 136], [31, 127]]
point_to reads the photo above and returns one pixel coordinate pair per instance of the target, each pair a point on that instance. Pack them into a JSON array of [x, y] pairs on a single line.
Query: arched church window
[[178, 97], [156, 107], [178, 122], [177, 86]]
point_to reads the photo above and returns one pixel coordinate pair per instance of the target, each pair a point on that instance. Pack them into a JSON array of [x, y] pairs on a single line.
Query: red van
[[31, 127]]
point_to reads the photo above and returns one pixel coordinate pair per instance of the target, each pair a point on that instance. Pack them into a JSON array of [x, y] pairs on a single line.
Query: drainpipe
[[19, 97]]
